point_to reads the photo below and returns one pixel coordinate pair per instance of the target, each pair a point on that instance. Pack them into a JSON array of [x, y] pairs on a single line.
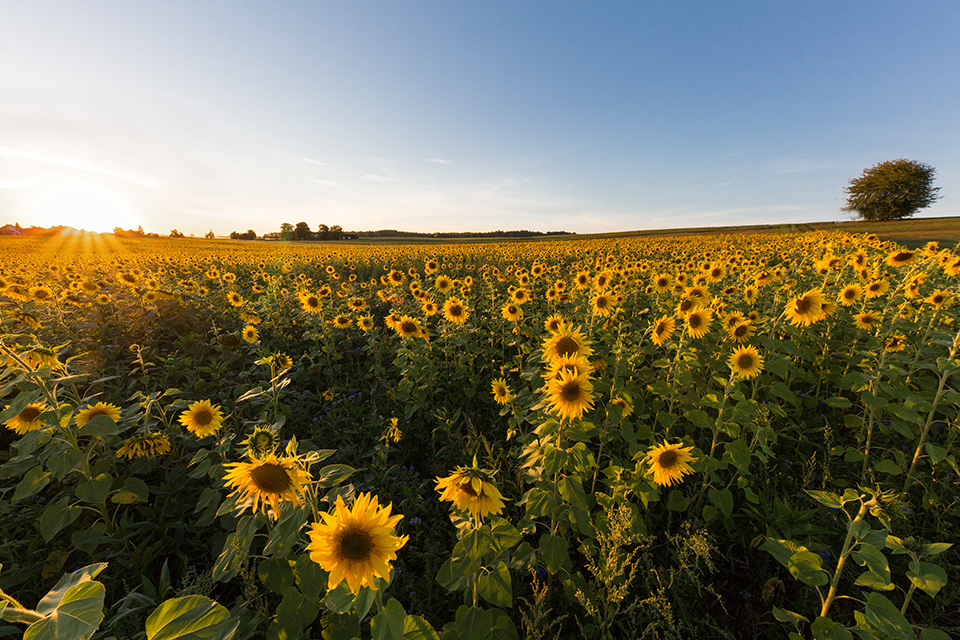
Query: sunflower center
[[98, 412], [467, 488], [203, 417], [456, 310], [408, 327], [571, 391], [354, 544], [661, 329], [601, 303], [695, 321], [902, 256], [745, 361], [803, 305], [740, 331], [849, 294], [567, 346], [667, 459], [270, 478], [29, 414]]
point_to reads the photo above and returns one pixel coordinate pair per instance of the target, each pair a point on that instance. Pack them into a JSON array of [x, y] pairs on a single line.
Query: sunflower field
[[727, 436]]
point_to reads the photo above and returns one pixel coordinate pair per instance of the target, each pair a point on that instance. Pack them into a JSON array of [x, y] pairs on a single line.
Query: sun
[[81, 206]]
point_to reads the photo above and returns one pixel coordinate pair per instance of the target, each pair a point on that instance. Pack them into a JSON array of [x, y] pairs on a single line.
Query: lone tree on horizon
[[892, 190]]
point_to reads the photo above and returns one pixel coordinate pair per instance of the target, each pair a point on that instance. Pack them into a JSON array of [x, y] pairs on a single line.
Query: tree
[[323, 232], [892, 190], [336, 232], [302, 232], [286, 231], [209, 235]]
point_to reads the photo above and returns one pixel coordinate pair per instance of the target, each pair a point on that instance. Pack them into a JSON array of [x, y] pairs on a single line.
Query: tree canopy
[[892, 190]]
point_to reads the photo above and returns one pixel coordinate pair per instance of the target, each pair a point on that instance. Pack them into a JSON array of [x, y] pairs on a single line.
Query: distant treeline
[[302, 231]]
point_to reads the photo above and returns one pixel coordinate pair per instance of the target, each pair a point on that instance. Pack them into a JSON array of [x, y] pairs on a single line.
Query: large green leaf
[[554, 551], [884, 616], [826, 629], [928, 577], [295, 613], [495, 586], [389, 624], [416, 628], [33, 482], [50, 601], [76, 616], [56, 516], [807, 567], [187, 618]]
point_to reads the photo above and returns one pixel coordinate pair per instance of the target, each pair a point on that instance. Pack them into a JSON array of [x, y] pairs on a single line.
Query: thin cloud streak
[[15, 154]]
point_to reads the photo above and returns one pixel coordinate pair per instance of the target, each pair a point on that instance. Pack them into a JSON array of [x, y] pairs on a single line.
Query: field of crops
[[727, 436]]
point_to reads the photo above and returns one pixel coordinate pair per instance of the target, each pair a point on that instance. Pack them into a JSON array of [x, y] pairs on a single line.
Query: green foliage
[[892, 190]]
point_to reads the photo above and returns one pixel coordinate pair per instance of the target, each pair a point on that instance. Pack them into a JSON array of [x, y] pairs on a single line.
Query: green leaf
[[838, 403], [389, 624], [275, 574], [871, 557], [933, 634], [333, 474], [738, 453], [495, 586], [134, 490], [782, 550], [235, 549], [553, 549], [882, 614], [783, 615], [295, 613], [187, 618], [95, 491], [807, 567], [827, 499], [937, 454], [311, 578], [76, 616], [676, 501], [723, 500], [416, 628], [936, 548], [99, 426], [56, 516], [889, 467], [32, 483], [826, 629], [284, 535], [503, 533], [928, 577], [473, 623], [50, 601], [872, 581], [503, 628]]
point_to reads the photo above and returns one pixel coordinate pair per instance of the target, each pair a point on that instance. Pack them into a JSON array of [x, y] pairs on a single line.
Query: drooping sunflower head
[[896, 342], [900, 258], [145, 445], [746, 362], [356, 543], [267, 481], [471, 489], [669, 463], [202, 418], [112, 411], [27, 419]]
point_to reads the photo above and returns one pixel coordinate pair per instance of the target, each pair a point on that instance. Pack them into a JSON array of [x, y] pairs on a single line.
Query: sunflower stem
[[925, 431]]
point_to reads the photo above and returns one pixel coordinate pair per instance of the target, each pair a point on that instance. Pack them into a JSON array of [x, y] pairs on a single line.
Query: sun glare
[[82, 207]]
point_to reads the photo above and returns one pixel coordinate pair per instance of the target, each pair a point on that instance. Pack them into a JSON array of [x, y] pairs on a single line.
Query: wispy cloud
[[326, 183], [375, 178], [15, 154], [439, 161], [322, 164]]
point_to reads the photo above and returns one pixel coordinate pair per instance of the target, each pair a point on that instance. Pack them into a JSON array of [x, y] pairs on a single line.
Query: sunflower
[[520, 296], [235, 299], [574, 363], [310, 302], [698, 322], [250, 334], [742, 332], [750, 294], [443, 284], [850, 294], [262, 442], [455, 311], [267, 481], [471, 489], [341, 321], [408, 327], [900, 258], [41, 293], [876, 288], [662, 283], [661, 331], [668, 463], [26, 420], [602, 305], [937, 298], [625, 406], [895, 342], [511, 312], [565, 342], [569, 395], [746, 362], [866, 320], [202, 418], [500, 390], [112, 411], [554, 324], [806, 308], [356, 544], [365, 323], [146, 445], [583, 280]]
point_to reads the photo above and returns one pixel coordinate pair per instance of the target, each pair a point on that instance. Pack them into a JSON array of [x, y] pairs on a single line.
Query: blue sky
[[459, 116]]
